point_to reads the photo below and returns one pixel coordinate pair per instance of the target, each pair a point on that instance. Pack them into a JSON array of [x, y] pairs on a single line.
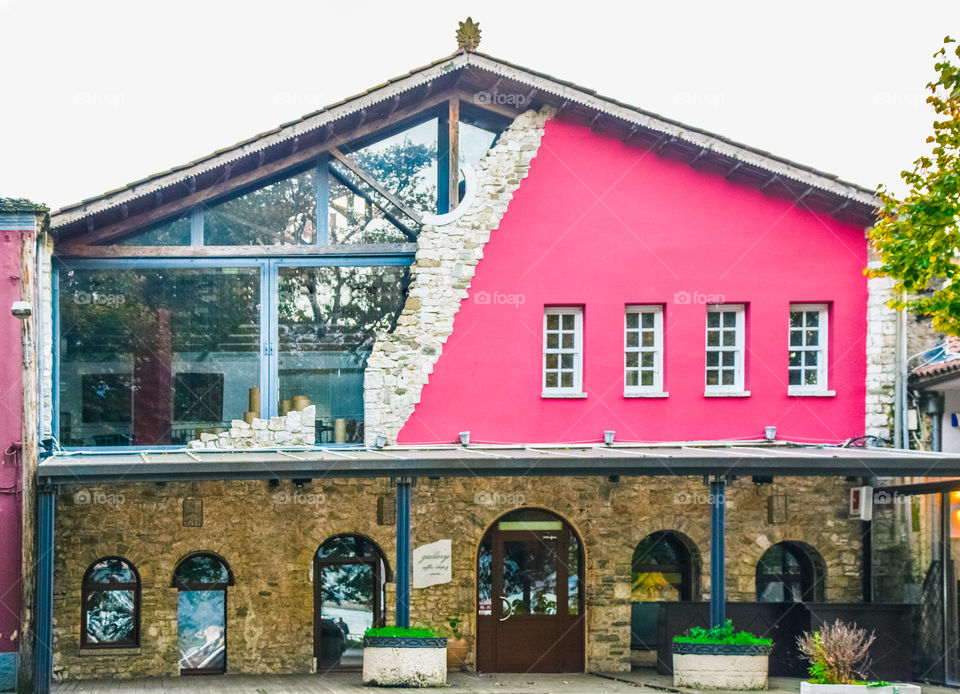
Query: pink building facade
[[622, 229]]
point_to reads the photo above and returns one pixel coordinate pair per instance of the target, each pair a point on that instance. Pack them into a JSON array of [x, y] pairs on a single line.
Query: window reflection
[[155, 356]]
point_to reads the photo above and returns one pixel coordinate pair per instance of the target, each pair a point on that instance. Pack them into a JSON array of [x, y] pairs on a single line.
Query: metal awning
[[692, 459]]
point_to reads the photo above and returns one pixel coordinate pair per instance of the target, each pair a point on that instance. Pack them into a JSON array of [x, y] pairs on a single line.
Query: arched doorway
[[530, 605], [790, 572], [202, 581], [349, 584], [665, 568]]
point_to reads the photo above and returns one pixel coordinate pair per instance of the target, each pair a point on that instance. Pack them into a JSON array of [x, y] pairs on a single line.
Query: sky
[[99, 94]]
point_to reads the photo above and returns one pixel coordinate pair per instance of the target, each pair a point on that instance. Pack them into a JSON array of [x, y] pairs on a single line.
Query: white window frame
[[823, 325], [576, 390], [739, 350], [656, 389]]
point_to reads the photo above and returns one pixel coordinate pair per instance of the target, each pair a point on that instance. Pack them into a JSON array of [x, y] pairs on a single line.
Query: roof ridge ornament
[[468, 35]]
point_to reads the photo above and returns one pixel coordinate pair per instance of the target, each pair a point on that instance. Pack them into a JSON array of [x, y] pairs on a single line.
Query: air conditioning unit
[[861, 503]]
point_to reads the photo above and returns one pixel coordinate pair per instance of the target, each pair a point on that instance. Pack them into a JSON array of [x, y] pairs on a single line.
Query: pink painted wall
[[602, 225], [10, 431]]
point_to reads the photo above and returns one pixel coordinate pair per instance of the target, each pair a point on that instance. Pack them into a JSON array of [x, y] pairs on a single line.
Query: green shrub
[[721, 635], [398, 632]]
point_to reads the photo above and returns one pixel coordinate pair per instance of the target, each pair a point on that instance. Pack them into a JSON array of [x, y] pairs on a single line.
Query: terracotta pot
[[456, 654]]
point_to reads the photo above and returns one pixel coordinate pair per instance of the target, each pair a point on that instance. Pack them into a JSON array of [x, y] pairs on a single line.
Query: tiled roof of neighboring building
[[21, 205], [945, 362]]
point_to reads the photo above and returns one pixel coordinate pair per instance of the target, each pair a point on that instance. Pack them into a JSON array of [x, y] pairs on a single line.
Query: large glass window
[[111, 605], [329, 318], [282, 213], [202, 581], [155, 356]]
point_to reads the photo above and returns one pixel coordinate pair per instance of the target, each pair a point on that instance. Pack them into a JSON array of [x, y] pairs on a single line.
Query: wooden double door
[[530, 608]]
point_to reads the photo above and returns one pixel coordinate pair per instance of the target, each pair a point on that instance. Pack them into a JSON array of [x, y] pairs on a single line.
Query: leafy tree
[[918, 238]]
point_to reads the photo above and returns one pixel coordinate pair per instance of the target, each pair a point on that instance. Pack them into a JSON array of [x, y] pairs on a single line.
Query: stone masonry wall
[[881, 354], [446, 260], [269, 535]]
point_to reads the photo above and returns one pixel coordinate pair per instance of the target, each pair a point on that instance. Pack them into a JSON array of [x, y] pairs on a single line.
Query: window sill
[[726, 394], [791, 392], [645, 394], [124, 650], [550, 394]]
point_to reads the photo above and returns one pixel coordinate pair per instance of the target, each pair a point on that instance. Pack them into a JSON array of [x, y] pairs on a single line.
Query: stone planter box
[[895, 688], [720, 666], [405, 661]]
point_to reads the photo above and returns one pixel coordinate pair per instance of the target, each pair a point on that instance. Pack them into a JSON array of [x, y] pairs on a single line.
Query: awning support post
[[404, 493], [718, 611], [43, 615]]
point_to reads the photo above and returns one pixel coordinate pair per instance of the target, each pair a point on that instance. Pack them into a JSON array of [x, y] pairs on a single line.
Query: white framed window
[[563, 352], [725, 350], [807, 355], [643, 351]]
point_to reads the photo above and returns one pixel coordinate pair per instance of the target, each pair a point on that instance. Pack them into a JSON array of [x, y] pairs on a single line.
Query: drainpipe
[[43, 625], [932, 404]]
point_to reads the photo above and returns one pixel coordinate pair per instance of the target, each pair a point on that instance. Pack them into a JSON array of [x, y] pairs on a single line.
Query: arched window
[[202, 580], [111, 605], [349, 583], [664, 569], [790, 572]]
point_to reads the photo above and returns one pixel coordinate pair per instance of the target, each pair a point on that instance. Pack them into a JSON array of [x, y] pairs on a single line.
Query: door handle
[[509, 605]]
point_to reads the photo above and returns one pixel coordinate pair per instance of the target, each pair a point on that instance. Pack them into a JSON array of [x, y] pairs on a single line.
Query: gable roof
[[471, 75]]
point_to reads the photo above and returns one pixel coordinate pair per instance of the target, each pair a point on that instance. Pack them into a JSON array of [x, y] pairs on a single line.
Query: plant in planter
[[721, 658], [456, 646], [395, 657], [839, 656]]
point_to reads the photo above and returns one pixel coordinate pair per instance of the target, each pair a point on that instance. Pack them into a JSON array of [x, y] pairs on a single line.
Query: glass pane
[[346, 546], [810, 358], [811, 377], [485, 578], [566, 361], [729, 358], [795, 358], [202, 568], [729, 338], [156, 356], [713, 319], [405, 164], [647, 378], [551, 380], [646, 360], [566, 380], [282, 213], [573, 575], [567, 341], [633, 320], [568, 320], [653, 586], [813, 319], [346, 611], [632, 378], [648, 319], [112, 571], [713, 358], [713, 378], [110, 616], [796, 338], [474, 143], [530, 576], [794, 377], [175, 232], [727, 378], [729, 319], [713, 338], [553, 321], [632, 359], [552, 361], [648, 339], [771, 592], [201, 629], [553, 341], [633, 339], [353, 219], [328, 321], [813, 338], [796, 319]]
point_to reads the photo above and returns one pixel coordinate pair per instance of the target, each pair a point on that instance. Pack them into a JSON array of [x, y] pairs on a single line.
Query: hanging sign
[[431, 564]]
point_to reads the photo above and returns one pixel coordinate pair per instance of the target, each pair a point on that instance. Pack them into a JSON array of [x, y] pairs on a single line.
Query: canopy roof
[[490, 85], [676, 459]]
